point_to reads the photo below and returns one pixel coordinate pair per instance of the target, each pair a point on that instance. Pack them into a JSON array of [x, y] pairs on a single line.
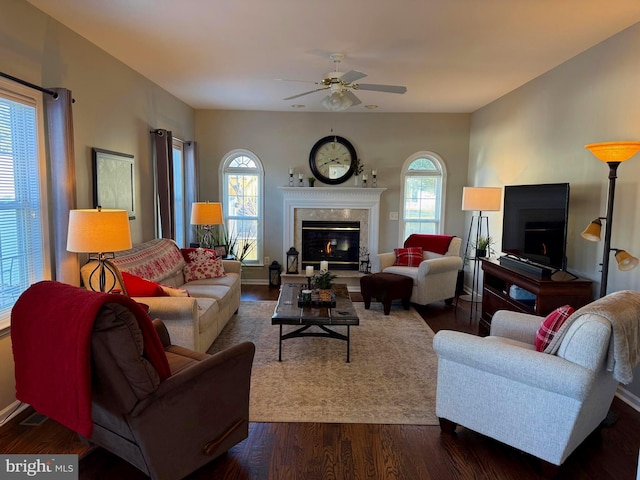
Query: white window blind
[[21, 233]]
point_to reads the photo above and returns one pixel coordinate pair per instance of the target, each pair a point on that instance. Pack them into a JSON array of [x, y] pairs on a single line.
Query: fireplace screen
[[336, 242]]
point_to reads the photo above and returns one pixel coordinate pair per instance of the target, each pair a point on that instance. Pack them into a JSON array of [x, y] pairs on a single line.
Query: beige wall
[[537, 133], [115, 108], [382, 141]]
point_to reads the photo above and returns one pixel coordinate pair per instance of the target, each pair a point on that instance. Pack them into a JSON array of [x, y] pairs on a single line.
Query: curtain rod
[[30, 85]]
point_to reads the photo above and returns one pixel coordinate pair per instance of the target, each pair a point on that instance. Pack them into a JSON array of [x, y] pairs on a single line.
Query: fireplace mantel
[[330, 198]]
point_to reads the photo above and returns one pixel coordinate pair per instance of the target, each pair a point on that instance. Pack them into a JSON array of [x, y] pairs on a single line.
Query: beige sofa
[[193, 322]]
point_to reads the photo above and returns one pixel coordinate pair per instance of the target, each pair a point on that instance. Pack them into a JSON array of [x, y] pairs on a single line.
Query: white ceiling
[[452, 55]]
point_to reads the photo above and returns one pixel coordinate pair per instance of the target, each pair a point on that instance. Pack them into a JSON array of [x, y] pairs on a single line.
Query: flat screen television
[[534, 226]]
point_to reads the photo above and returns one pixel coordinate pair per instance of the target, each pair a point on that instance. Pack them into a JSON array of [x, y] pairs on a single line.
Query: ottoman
[[386, 287]]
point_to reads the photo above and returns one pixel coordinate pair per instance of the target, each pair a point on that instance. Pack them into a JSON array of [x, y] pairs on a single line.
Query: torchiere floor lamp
[[613, 153]]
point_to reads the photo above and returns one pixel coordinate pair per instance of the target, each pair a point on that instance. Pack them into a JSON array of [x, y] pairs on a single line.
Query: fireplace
[[337, 242]]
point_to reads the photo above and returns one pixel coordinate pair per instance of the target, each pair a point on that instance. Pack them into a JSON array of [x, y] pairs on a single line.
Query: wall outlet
[[267, 261], [393, 215]]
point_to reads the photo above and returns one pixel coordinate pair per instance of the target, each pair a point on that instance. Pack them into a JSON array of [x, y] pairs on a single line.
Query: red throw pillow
[[141, 287], [550, 325], [408, 257], [197, 254]]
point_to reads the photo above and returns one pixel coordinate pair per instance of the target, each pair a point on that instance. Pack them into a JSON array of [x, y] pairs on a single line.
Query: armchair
[[95, 363], [544, 404], [435, 277]]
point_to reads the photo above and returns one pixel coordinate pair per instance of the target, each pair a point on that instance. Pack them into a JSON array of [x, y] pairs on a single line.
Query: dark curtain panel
[[59, 120], [163, 143], [191, 184]]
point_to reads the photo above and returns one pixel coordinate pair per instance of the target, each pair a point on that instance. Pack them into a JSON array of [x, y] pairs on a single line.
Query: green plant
[[324, 280], [238, 246], [484, 243]]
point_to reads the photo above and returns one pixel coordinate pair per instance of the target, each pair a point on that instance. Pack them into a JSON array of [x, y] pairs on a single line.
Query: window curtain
[[59, 119], [163, 143], [191, 184]]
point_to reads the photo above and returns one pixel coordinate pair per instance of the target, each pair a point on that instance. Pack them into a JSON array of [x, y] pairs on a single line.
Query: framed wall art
[[113, 180]]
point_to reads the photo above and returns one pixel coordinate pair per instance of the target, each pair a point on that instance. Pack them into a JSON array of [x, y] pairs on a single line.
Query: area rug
[[391, 378]]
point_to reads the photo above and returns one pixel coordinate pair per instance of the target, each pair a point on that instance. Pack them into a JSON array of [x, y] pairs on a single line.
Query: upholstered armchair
[[544, 404], [95, 363], [434, 275]]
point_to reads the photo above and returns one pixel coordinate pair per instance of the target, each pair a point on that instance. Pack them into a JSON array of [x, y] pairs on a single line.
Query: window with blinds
[[21, 222]]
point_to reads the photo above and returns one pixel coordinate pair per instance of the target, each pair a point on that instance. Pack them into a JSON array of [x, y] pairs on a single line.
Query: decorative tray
[[316, 301]]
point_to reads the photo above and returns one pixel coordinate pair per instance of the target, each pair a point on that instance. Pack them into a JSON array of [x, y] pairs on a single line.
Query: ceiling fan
[[341, 85]]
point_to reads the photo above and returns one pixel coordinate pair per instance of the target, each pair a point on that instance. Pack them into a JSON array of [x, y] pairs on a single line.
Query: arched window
[[242, 199], [423, 182]]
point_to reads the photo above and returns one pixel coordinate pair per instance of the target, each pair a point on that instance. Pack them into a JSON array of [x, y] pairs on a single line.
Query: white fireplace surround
[[331, 203]]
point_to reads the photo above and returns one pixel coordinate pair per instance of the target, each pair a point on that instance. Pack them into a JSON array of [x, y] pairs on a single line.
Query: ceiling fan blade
[[352, 76], [379, 88], [305, 93], [354, 100]]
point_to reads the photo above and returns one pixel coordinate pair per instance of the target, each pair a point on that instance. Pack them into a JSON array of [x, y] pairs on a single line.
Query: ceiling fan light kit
[[340, 85]]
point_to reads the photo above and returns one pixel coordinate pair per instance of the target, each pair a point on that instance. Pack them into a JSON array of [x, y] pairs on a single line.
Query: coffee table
[[288, 312]]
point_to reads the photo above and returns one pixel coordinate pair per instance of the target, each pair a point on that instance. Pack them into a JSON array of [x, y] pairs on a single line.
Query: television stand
[[506, 288]]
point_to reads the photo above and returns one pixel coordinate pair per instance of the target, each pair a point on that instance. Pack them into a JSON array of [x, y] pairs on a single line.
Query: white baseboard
[[11, 411], [629, 398]]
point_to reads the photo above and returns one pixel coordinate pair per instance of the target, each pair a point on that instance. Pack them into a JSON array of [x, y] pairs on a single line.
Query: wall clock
[[333, 160]]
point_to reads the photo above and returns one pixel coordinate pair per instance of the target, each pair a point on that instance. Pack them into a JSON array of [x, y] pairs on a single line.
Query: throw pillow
[[197, 254], [550, 325], [408, 257], [175, 292], [211, 268], [141, 287]]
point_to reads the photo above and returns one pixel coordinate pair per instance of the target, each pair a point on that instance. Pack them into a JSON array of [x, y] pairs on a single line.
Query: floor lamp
[[613, 153], [100, 233], [480, 199], [207, 215]]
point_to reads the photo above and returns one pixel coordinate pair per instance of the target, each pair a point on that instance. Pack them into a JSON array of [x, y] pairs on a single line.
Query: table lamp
[[99, 232], [206, 215]]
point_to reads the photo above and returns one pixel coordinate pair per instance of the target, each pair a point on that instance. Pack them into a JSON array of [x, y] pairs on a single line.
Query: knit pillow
[[408, 257], [550, 325], [210, 268], [197, 254]]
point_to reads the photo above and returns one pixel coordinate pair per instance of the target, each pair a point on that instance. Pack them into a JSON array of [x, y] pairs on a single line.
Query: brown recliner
[[169, 428]]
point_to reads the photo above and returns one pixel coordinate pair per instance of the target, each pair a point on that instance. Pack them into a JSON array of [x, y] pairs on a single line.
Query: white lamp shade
[[484, 199], [205, 213], [98, 231]]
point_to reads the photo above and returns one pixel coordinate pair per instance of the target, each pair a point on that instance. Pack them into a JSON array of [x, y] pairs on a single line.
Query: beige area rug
[[391, 378]]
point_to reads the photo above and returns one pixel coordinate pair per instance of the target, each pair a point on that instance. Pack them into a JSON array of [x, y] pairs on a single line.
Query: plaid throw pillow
[[550, 325], [408, 257]]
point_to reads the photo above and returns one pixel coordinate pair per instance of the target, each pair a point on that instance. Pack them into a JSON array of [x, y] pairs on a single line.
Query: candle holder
[[291, 179], [300, 181], [364, 183], [374, 180]]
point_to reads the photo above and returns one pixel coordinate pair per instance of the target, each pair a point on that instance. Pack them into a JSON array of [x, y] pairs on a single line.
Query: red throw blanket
[[430, 243], [51, 325]]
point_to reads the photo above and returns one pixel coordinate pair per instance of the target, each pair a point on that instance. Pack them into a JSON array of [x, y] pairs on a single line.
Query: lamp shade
[[625, 260], [592, 232], [336, 102], [98, 231], [205, 213], [485, 199], [614, 151]]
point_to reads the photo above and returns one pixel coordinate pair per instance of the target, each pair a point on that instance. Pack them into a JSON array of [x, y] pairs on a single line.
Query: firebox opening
[[334, 241]]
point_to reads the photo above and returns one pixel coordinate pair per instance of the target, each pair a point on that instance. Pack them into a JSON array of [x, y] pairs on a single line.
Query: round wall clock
[[333, 160]]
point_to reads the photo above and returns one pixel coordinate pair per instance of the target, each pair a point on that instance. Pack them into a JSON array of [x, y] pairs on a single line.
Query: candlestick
[[324, 266], [374, 180], [290, 179]]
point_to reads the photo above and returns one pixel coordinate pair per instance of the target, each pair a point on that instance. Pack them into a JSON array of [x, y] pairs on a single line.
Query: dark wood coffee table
[[288, 312]]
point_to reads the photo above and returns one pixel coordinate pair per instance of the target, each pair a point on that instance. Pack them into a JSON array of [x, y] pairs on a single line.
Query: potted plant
[[312, 180], [482, 245], [323, 282]]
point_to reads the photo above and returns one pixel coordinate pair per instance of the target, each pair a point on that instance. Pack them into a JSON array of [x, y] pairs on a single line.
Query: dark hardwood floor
[[310, 451]]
